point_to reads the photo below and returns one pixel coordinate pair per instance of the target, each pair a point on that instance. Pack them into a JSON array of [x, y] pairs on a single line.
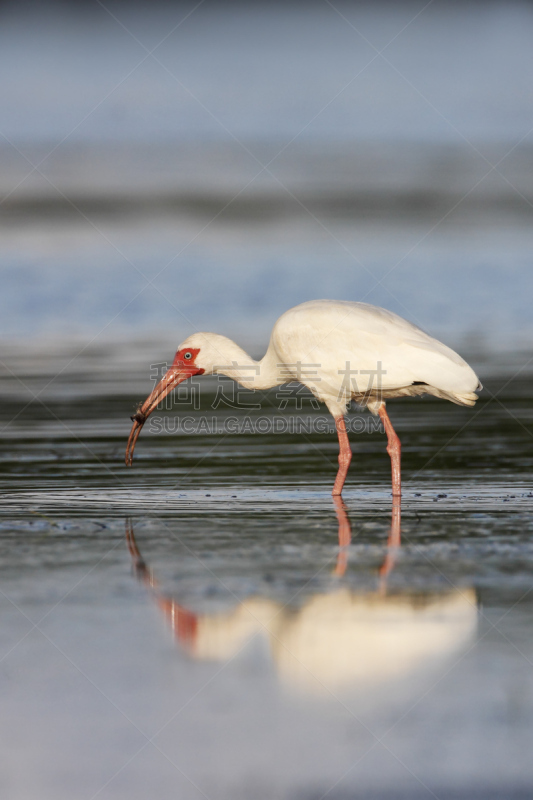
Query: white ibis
[[341, 351]]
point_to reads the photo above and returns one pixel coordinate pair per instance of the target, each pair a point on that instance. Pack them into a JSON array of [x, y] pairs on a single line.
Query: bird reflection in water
[[339, 639]]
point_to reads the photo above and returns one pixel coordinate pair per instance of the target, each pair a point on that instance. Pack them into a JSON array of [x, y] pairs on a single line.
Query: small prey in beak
[[138, 421]]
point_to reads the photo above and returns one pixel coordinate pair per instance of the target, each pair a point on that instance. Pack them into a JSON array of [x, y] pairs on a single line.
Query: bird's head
[[199, 354]]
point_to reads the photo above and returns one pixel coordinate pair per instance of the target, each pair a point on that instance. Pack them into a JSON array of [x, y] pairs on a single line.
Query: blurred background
[[180, 166]]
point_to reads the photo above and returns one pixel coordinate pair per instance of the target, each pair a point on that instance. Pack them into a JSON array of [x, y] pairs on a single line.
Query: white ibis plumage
[[342, 351]]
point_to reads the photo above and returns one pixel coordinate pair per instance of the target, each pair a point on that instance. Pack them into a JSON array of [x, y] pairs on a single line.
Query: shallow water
[[190, 627]]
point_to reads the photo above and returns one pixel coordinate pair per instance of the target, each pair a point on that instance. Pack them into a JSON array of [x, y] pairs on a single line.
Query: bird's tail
[[461, 398]]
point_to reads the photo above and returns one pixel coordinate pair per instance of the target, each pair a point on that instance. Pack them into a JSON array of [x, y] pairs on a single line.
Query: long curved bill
[[173, 377]]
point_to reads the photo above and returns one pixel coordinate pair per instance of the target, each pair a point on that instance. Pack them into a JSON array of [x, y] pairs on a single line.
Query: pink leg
[[345, 536], [393, 546], [394, 449], [345, 455]]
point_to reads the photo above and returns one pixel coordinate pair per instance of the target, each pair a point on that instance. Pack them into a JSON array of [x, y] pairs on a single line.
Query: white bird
[[342, 351]]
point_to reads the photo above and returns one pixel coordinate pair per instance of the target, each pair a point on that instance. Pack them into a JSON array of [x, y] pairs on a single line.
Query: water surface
[[191, 627]]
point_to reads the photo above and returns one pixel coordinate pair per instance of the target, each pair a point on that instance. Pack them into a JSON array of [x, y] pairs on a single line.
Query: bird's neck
[[249, 373]]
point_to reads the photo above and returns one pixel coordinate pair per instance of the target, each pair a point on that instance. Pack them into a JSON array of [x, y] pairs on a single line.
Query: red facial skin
[[183, 367]]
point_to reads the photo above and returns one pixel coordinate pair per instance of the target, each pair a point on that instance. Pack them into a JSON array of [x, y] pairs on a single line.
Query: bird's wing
[[366, 340]]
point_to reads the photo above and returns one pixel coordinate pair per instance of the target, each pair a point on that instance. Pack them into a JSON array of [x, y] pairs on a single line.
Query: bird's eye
[[188, 356]]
